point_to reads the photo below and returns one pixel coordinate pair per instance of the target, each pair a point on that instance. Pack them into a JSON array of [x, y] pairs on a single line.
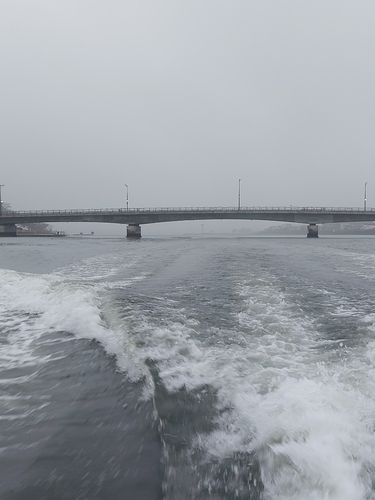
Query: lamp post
[[1, 201], [239, 194], [127, 197], [365, 198]]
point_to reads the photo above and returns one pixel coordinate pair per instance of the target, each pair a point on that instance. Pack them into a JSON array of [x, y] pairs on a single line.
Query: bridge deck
[[317, 215]]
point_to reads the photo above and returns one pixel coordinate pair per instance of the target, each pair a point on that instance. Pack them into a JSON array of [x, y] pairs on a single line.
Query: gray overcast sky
[[180, 99]]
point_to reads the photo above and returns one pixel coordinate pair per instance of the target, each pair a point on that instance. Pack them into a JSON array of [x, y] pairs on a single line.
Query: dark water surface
[[85, 434], [187, 368]]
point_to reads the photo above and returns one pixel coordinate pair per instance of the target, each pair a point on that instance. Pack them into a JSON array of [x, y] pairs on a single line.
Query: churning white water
[[283, 332]]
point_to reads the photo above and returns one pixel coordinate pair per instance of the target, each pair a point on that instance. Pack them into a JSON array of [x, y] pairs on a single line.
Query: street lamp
[[239, 194], [127, 197], [365, 199], [1, 202]]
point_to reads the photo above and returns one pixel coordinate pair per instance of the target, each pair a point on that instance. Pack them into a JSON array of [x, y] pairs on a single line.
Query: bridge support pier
[[8, 230], [133, 231], [312, 231]]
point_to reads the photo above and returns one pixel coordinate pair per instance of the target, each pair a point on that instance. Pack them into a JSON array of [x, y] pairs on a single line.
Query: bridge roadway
[[135, 217]]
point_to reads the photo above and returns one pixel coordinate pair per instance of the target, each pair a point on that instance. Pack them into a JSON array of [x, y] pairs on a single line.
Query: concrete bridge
[[135, 217]]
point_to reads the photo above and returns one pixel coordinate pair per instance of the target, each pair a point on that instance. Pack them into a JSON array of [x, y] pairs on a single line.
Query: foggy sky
[[180, 99]]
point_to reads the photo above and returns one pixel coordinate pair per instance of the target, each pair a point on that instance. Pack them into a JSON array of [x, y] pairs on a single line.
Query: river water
[[181, 368]]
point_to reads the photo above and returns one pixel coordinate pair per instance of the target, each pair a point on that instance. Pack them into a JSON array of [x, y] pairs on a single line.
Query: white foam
[[307, 412], [31, 305], [302, 412]]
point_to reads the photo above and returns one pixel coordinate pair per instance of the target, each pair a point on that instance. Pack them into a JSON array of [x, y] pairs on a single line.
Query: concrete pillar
[[312, 231], [133, 231], [8, 230]]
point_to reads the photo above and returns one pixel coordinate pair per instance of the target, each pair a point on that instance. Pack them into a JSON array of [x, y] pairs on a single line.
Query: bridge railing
[[116, 211]]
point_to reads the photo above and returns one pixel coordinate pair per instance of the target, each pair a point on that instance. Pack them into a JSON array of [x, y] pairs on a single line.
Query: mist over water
[[255, 356]]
